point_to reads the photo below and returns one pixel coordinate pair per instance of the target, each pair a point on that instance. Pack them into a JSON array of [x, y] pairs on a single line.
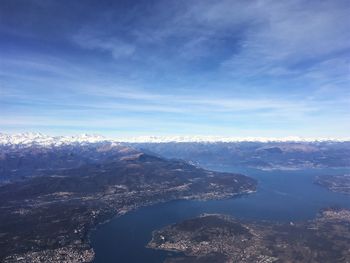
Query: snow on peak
[[28, 138], [214, 139]]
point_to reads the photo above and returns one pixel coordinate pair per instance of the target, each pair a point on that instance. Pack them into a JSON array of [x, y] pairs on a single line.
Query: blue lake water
[[281, 196]]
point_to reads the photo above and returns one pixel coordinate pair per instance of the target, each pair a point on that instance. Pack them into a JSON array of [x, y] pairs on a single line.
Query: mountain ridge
[[30, 138]]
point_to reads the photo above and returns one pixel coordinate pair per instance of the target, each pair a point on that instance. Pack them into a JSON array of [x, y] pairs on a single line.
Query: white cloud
[[292, 33]]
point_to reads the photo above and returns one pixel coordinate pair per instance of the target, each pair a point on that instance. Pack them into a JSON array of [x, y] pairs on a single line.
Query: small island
[[335, 183], [220, 238]]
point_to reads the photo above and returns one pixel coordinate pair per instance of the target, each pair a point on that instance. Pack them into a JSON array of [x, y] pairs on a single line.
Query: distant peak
[[30, 138], [215, 139]]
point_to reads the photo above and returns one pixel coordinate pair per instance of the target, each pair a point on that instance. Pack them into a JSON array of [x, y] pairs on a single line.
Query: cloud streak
[[180, 66]]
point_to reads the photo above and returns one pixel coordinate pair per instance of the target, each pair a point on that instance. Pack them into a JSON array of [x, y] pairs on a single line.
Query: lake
[[281, 196]]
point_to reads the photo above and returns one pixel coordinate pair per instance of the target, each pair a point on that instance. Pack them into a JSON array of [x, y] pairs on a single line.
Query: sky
[[177, 67]]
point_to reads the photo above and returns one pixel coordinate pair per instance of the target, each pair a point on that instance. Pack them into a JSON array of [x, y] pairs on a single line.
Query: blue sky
[[128, 68]]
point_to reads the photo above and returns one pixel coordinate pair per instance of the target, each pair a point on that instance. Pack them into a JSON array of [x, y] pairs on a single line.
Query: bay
[[282, 196]]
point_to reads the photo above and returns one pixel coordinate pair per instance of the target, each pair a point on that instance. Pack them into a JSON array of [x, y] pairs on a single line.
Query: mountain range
[[30, 138]]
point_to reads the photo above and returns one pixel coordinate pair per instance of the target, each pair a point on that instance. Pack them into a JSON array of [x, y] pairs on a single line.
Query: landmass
[[48, 217], [335, 183], [220, 238], [269, 155]]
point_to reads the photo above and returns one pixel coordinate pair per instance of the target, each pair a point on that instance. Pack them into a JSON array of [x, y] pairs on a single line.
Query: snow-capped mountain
[[27, 139], [38, 151], [215, 139]]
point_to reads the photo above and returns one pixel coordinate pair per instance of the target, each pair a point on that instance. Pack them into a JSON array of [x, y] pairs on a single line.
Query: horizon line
[[27, 137]]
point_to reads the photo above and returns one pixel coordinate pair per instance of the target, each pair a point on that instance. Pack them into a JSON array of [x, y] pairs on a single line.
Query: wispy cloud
[[180, 66]]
